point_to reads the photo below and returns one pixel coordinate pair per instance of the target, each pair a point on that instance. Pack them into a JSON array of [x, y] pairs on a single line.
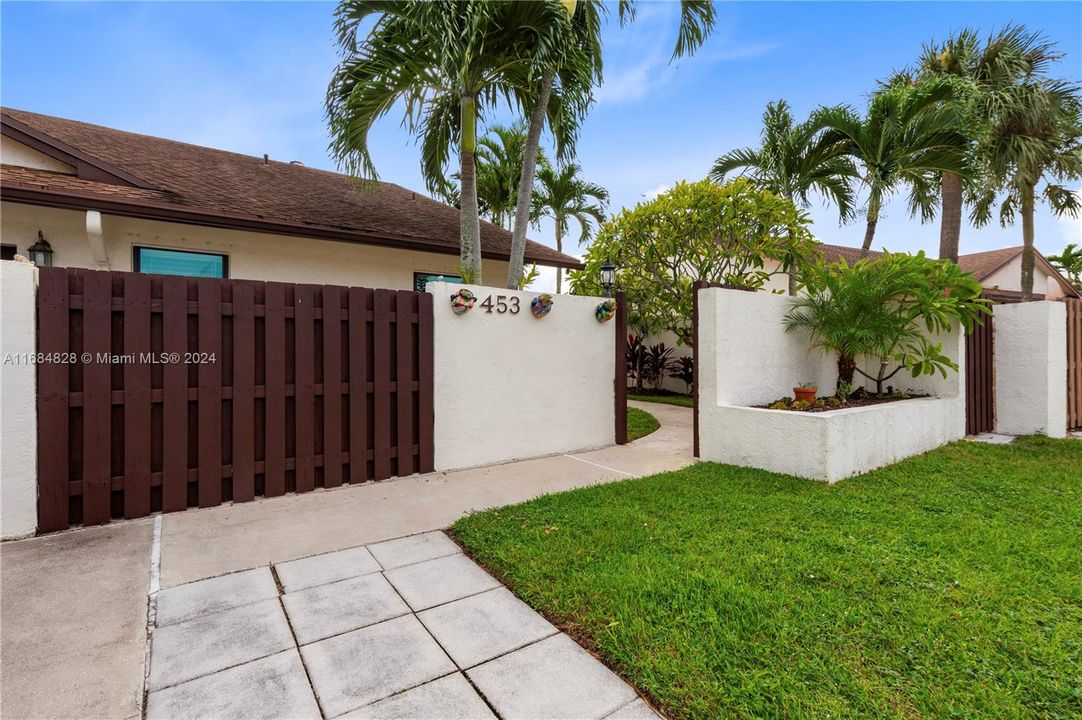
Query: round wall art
[[541, 305], [605, 310], [462, 301]]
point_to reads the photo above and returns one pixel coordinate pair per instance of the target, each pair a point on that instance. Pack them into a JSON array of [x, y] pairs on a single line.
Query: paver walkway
[[406, 628]]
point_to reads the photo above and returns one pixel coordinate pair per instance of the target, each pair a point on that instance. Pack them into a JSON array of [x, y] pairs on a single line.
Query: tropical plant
[[794, 161], [1035, 138], [447, 63], [683, 368], [656, 363], [634, 358], [884, 310], [1069, 262], [696, 231], [570, 78], [563, 195], [909, 135]]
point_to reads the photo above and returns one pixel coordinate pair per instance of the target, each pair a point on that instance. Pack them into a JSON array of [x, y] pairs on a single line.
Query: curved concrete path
[[675, 434]]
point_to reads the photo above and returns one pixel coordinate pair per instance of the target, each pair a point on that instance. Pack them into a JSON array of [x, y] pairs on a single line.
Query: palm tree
[[909, 135], [499, 166], [984, 77], [570, 78], [1035, 138], [447, 63], [793, 161], [562, 195], [1070, 263]]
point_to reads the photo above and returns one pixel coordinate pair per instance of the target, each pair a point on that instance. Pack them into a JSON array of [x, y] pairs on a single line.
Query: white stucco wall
[[513, 386], [18, 409], [747, 359], [252, 256], [1030, 365], [1009, 277], [13, 152]]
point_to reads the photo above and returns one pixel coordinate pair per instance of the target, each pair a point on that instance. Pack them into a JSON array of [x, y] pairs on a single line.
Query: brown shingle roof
[[203, 178], [983, 264]]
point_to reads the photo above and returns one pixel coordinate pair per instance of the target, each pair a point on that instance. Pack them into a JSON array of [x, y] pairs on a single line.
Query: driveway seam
[[296, 643], [603, 467]]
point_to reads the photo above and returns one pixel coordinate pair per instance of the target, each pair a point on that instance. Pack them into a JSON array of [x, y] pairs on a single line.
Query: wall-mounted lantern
[[41, 252], [608, 277]]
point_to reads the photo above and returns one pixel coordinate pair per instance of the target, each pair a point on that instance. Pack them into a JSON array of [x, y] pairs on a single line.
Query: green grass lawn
[[673, 399], [640, 423], [948, 585]]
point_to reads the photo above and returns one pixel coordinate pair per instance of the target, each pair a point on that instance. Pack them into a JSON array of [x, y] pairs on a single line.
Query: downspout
[[96, 238]]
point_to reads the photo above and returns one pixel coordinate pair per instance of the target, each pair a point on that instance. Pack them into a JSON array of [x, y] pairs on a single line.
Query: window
[[162, 261], [7, 252], [421, 280]]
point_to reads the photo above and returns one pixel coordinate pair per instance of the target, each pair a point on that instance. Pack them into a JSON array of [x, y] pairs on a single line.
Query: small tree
[[1069, 262], [880, 310], [737, 233]]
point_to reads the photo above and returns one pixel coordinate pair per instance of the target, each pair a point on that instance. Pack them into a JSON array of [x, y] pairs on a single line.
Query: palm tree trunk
[[559, 248], [950, 224], [1027, 242], [525, 182], [846, 367], [869, 232], [469, 218]]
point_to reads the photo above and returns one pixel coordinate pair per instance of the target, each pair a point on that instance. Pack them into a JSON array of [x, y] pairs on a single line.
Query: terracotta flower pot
[[805, 394]]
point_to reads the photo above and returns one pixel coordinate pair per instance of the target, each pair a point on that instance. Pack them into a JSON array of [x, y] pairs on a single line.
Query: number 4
[[487, 304]]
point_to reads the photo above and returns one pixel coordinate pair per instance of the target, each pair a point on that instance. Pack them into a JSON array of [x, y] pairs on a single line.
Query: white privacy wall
[[1030, 362], [510, 386], [747, 358], [18, 409]]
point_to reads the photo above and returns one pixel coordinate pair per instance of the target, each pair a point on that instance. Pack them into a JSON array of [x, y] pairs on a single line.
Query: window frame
[[433, 275], [136, 260]]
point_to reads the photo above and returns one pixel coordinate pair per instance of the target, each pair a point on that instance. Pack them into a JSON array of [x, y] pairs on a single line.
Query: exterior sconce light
[[41, 252], [608, 277]]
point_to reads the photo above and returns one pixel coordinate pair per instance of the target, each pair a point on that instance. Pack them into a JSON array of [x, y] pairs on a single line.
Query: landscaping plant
[[683, 368], [883, 310]]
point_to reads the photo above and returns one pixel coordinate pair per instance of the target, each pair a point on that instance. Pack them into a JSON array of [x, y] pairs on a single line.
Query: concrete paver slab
[[554, 678], [73, 615], [326, 568], [434, 582], [358, 668], [320, 612], [267, 689], [413, 549], [210, 643], [214, 595], [637, 710], [449, 698], [481, 627]]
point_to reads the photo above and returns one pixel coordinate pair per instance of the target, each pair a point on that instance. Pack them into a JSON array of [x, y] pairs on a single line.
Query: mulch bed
[[852, 402]]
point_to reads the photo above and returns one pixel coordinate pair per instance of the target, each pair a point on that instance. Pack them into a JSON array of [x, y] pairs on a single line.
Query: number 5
[[501, 304]]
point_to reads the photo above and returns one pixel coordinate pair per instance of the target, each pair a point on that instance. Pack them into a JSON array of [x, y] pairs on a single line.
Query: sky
[[251, 78]]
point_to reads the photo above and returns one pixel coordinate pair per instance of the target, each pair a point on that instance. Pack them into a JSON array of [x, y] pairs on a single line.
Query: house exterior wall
[[1031, 368], [1009, 277], [511, 386], [18, 401], [252, 255], [13, 152], [746, 358]]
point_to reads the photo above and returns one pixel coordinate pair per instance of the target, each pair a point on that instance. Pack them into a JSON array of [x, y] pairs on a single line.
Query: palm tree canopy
[[794, 161], [562, 194], [909, 135]]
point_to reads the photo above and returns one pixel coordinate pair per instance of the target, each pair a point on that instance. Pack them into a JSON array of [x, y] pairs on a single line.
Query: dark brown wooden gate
[[1074, 364], [980, 379], [166, 393]]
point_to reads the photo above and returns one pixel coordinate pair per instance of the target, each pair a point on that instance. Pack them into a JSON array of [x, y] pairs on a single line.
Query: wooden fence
[[1074, 364], [165, 393], [980, 378]]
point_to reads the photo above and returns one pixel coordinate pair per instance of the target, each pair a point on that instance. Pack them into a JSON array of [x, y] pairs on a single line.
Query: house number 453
[[503, 304]]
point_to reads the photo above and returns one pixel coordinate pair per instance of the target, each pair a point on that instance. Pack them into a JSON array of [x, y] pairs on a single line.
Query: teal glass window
[[162, 261], [421, 280]]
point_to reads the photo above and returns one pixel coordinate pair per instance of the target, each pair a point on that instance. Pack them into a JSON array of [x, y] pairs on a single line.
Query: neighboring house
[[115, 200], [999, 271]]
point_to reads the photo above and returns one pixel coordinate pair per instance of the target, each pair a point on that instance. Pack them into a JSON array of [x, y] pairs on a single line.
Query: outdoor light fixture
[[608, 276], [41, 252]]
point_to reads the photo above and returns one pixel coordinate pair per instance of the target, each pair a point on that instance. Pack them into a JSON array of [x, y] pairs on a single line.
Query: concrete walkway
[[406, 628], [74, 609]]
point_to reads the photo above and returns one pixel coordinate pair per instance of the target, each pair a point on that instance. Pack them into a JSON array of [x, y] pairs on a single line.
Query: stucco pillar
[[18, 407], [1031, 368]]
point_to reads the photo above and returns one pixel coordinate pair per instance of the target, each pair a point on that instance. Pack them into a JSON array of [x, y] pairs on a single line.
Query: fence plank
[[425, 389], [304, 399], [97, 397], [360, 301], [620, 380], [137, 405], [274, 473], [210, 393], [174, 394], [381, 339], [53, 386], [243, 391], [332, 386], [404, 300]]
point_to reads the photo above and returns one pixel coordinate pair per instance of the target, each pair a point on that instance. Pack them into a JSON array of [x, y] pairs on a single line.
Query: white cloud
[[659, 190]]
